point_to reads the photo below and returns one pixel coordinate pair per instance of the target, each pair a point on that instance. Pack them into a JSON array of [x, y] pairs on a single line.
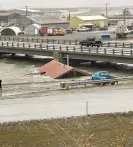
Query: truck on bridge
[[91, 41]]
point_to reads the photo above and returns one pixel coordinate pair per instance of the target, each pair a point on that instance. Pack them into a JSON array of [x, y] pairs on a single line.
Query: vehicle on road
[[122, 31], [103, 75], [53, 31], [69, 31], [83, 29], [92, 41]]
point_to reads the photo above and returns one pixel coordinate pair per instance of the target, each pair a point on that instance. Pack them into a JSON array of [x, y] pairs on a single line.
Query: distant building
[[22, 20], [128, 23], [98, 21], [48, 21], [42, 20], [8, 19], [14, 31], [29, 12], [5, 17], [32, 29]]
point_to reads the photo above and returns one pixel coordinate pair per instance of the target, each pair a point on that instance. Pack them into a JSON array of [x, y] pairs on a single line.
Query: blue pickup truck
[[103, 75]]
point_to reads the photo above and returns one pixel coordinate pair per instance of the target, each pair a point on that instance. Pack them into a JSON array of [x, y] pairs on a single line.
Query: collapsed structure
[[58, 70]]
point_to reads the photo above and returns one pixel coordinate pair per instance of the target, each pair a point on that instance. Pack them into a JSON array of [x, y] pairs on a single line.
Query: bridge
[[61, 52], [113, 44]]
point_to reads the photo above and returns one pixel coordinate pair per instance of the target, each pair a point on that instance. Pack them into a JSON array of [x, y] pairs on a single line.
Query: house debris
[[58, 70]]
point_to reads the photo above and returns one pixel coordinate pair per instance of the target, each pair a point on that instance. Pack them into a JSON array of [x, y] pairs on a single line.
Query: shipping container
[[105, 37], [51, 31], [43, 31]]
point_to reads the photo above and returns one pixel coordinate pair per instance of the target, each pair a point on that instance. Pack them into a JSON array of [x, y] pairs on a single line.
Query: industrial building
[[14, 31], [48, 20], [33, 29], [22, 20], [96, 21], [42, 20], [5, 17]]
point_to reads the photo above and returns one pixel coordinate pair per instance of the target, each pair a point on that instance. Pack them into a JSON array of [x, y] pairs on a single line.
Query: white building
[[32, 29]]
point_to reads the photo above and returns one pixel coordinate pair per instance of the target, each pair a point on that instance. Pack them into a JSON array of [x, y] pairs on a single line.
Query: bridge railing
[[37, 40], [70, 49], [116, 80], [66, 42]]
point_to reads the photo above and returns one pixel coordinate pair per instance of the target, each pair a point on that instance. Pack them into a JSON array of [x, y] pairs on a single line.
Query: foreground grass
[[109, 130]]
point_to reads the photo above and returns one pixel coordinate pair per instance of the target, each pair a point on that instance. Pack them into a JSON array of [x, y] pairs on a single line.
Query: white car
[[83, 29]]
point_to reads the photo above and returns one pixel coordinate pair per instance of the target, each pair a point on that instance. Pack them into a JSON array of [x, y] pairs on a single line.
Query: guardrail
[[113, 81], [70, 49], [66, 42], [37, 40]]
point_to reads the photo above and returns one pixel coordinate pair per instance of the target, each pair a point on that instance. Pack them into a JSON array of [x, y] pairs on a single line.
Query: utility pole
[[106, 10], [67, 60], [26, 10], [124, 13], [69, 16], [1, 4]]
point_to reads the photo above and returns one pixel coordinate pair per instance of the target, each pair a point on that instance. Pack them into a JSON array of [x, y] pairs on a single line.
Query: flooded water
[[18, 77], [20, 82], [27, 96]]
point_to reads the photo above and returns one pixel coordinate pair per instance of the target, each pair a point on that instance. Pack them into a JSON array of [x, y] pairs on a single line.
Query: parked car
[[83, 29], [92, 41], [69, 31], [21, 33], [103, 75]]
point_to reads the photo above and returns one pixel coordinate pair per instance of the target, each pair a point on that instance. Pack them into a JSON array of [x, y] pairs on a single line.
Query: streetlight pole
[[26, 10]]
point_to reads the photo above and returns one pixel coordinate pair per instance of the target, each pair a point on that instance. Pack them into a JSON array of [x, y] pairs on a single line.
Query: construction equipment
[[55, 31], [60, 31]]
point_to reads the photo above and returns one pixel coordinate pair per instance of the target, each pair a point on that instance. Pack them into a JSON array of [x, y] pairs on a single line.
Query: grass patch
[[107, 130]]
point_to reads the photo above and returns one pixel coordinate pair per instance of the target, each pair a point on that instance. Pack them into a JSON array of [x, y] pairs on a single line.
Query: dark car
[[92, 41], [69, 31]]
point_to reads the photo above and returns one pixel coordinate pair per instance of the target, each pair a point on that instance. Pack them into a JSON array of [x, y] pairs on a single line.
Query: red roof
[[55, 69]]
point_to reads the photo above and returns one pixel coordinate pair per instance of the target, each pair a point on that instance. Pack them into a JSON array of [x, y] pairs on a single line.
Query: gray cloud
[[7, 4]]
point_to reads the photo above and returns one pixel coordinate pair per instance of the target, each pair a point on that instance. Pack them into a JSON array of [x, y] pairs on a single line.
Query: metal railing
[[91, 82], [69, 49], [66, 42], [37, 40]]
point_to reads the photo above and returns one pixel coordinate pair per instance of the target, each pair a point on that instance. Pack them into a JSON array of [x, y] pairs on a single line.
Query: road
[[68, 103], [75, 35], [71, 48]]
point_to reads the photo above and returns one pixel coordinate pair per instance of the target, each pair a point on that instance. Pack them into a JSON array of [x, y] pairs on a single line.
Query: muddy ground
[[109, 130]]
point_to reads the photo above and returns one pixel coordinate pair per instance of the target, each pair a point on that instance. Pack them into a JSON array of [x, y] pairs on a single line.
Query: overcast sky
[[9, 4]]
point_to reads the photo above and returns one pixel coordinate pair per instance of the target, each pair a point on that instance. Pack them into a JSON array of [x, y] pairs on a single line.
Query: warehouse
[[32, 29], [97, 21], [13, 31], [48, 21]]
